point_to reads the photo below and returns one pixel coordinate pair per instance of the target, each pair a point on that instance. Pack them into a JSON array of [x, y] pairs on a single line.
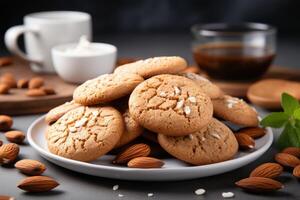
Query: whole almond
[[9, 80], [4, 61], [6, 122], [48, 90], [22, 83], [145, 162], [38, 184], [295, 151], [259, 184], [9, 153], [15, 136], [296, 171], [287, 160], [6, 197], [254, 132], [36, 82], [36, 92], [245, 141], [4, 89], [267, 170], [30, 167], [134, 151]]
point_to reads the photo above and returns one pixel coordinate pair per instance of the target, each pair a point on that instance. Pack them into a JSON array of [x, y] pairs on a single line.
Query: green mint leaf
[[296, 114], [275, 119], [289, 103], [284, 140]]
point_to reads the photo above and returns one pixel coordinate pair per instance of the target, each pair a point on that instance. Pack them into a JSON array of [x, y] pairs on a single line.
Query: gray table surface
[[79, 186]]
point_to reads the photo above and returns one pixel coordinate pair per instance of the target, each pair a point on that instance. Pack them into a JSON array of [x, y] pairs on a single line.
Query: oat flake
[[192, 99], [200, 191], [187, 110], [180, 104], [177, 90]]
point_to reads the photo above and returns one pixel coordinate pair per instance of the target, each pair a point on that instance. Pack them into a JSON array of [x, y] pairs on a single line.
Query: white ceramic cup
[[82, 67], [45, 30]]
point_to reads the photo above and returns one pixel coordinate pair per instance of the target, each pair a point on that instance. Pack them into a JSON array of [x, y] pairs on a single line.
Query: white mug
[[45, 30]]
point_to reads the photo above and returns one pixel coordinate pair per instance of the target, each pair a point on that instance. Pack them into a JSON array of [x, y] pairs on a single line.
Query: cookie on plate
[[132, 130], [85, 133], [154, 66], [171, 105], [106, 88], [213, 143], [208, 87], [236, 111], [54, 114]]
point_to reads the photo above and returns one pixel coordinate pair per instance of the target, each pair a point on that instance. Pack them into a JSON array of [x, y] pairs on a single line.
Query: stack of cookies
[[155, 95]]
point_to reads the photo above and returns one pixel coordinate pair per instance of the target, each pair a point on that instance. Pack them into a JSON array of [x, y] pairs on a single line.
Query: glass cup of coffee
[[237, 52]]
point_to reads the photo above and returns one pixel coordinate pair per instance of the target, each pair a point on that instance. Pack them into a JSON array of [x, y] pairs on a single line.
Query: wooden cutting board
[[17, 103]]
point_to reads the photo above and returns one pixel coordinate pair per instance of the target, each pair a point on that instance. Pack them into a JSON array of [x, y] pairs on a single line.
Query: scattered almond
[[254, 132], [296, 171], [6, 122], [9, 80], [145, 162], [36, 92], [267, 170], [134, 151], [287, 160], [30, 167], [4, 89], [259, 184], [9, 153], [22, 83], [4, 61], [38, 184], [48, 90], [245, 141], [6, 198], [36, 82], [15, 136], [295, 151]]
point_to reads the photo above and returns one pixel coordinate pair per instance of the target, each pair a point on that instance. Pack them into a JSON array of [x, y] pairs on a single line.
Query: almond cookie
[[154, 66], [54, 114], [208, 87], [106, 88], [171, 105], [213, 143], [85, 133], [132, 130], [235, 110]]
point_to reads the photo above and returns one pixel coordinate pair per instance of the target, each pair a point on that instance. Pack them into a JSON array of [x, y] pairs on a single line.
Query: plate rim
[[46, 153]]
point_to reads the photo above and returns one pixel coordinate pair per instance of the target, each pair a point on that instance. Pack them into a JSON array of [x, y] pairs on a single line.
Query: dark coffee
[[233, 61]]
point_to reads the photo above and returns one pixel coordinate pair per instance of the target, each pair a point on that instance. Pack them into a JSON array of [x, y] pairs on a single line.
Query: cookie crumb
[[72, 129], [192, 99], [120, 195], [162, 94], [150, 194], [115, 187], [180, 104], [227, 194], [177, 90], [215, 135], [187, 110], [200, 191]]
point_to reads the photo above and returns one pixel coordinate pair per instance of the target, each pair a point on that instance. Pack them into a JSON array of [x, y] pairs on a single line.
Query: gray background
[[80, 186]]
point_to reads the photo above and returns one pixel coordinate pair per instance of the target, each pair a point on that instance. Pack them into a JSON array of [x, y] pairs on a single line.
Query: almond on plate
[[267, 170], [30, 167], [35, 82], [4, 89], [36, 92], [245, 141], [296, 171], [145, 162], [134, 151], [6, 122], [9, 80], [295, 151], [15, 136], [254, 132], [38, 184], [48, 90], [259, 184], [9, 153], [287, 160], [22, 83]]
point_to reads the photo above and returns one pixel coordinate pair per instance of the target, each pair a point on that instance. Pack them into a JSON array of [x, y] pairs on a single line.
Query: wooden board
[[17, 103], [239, 89]]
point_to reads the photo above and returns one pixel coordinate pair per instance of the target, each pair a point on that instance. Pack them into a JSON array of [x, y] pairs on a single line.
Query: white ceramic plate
[[172, 170]]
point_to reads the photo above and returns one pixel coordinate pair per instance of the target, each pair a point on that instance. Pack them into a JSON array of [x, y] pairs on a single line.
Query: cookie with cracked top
[[208, 87], [106, 88], [154, 66], [85, 133], [213, 143], [236, 111], [171, 105]]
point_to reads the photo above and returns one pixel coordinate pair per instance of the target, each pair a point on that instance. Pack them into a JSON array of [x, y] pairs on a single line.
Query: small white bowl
[[79, 68]]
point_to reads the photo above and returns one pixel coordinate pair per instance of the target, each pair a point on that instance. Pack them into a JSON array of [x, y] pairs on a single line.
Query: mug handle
[[11, 42]]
